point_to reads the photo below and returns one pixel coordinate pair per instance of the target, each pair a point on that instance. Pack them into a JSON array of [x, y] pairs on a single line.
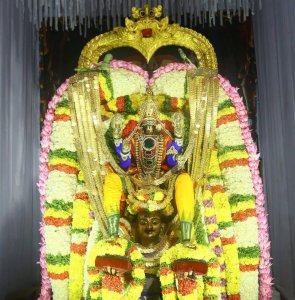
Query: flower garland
[[170, 68], [234, 164], [42, 183], [116, 92], [201, 287], [264, 243], [214, 233], [121, 64], [110, 286], [150, 200], [81, 224], [114, 86], [60, 196], [226, 229], [94, 236]]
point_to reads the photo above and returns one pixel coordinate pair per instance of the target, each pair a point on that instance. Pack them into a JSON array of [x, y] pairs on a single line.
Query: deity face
[[149, 227]]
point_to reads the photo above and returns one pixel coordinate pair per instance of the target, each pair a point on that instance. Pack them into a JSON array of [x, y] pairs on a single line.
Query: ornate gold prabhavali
[[147, 33]]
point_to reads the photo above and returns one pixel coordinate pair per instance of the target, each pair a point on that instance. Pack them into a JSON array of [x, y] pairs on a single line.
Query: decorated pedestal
[[149, 182]]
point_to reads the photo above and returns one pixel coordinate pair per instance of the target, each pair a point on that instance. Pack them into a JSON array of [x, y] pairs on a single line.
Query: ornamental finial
[[147, 12]]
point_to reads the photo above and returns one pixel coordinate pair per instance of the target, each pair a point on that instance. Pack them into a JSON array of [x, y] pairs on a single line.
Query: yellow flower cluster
[[196, 288], [224, 221], [118, 247], [81, 224], [212, 229]]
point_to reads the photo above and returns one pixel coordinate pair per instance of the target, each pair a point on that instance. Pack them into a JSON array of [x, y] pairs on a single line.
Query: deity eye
[[142, 13], [156, 221], [152, 14], [143, 222]]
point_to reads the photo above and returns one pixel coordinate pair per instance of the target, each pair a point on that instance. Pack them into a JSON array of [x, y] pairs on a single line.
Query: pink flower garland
[[264, 243], [43, 175], [121, 64], [169, 68]]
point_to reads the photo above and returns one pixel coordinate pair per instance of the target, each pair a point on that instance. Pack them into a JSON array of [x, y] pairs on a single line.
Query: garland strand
[[43, 175], [264, 243]]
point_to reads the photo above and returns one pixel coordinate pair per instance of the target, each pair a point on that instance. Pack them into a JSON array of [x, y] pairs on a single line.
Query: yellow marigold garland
[[214, 233], [225, 224], [80, 227], [94, 236], [109, 286], [201, 287]]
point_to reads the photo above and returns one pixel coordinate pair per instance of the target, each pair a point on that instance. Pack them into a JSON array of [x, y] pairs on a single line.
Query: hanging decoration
[[86, 13]]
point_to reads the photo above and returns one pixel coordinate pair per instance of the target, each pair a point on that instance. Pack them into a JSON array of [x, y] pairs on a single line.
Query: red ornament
[[129, 128], [147, 32]]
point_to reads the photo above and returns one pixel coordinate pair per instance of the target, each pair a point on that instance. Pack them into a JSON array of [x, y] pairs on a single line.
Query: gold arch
[[147, 35]]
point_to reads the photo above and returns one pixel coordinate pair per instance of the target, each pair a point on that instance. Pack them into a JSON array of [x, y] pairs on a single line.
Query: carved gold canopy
[[147, 33]]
